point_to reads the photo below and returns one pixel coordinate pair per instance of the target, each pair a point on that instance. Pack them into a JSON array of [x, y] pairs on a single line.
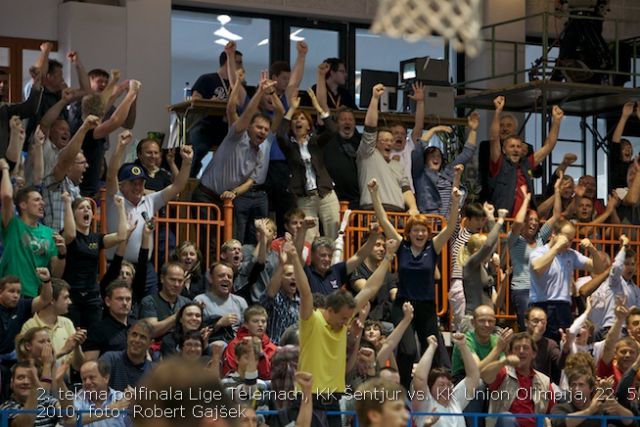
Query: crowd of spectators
[[281, 311]]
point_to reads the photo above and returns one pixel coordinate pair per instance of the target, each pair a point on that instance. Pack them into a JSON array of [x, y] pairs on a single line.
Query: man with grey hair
[[325, 278]]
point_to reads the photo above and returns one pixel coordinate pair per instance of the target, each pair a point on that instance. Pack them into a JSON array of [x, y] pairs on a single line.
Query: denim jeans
[[520, 302]]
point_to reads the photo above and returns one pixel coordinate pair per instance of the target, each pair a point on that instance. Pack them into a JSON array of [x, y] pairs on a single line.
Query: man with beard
[[221, 307]]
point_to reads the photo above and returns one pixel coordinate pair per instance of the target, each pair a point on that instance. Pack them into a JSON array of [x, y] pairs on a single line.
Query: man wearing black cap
[[129, 182]]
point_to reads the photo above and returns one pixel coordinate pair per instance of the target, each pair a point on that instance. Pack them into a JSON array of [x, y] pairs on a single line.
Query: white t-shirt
[[404, 156], [150, 203], [458, 401]]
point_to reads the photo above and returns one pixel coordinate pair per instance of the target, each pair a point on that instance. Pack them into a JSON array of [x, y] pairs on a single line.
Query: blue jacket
[[425, 181]]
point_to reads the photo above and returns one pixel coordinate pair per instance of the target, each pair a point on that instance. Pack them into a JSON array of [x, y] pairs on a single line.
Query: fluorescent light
[[222, 42], [264, 42], [224, 19], [294, 36], [223, 32]]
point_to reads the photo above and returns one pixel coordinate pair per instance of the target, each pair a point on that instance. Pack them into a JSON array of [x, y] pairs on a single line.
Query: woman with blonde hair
[[473, 257], [190, 257]]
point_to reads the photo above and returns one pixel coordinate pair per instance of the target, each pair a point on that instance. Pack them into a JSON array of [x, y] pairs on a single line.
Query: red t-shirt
[[523, 402], [494, 169], [276, 244]]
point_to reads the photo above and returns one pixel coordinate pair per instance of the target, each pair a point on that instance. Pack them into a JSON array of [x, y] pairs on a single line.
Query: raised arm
[[492, 240], [597, 262], [490, 371], [16, 140], [297, 71], [424, 366], [375, 281], [608, 352], [69, 233], [276, 279], [494, 130], [472, 373], [305, 413], [381, 214], [518, 221], [392, 341], [371, 118], [180, 182], [232, 102], [6, 194], [119, 116], [627, 111], [83, 77], [232, 70], [52, 114], [68, 154], [112, 239], [124, 139], [321, 85], [365, 250], [245, 118], [552, 138], [35, 160], [541, 264], [418, 123], [504, 337], [306, 298], [445, 234]]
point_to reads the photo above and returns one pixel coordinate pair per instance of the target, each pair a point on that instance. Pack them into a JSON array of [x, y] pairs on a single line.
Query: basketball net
[[456, 20]]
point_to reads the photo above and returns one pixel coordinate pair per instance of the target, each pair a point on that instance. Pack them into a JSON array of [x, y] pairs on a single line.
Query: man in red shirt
[[515, 386]]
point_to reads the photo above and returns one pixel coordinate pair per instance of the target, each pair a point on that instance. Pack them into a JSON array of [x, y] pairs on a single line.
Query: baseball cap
[[131, 171]]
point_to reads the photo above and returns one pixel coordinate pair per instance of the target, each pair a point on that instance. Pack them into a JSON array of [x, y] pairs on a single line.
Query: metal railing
[[540, 419], [547, 64]]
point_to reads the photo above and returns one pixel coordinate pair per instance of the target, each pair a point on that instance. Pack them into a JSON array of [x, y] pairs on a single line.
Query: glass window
[[198, 39], [379, 52], [322, 44], [4, 56]]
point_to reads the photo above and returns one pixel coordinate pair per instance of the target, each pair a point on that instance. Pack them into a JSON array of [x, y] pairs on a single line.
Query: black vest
[[504, 183]]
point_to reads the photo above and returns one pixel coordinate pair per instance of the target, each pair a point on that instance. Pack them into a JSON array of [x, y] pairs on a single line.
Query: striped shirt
[[460, 241], [520, 250], [282, 311], [52, 194], [46, 407], [235, 161]]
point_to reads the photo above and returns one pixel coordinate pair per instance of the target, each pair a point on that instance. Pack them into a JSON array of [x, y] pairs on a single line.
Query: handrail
[[545, 15], [475, 416]]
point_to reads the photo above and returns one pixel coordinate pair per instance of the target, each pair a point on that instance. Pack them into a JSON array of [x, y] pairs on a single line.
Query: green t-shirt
[[25, 249], [482, 350]]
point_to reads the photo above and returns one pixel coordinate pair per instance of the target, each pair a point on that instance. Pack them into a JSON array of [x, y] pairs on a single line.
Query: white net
[[456, 20]]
